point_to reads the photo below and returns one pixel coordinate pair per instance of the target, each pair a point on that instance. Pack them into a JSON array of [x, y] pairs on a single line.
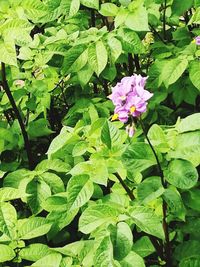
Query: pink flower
[[130, 98], [135, 105], [197, 40], [130, 130]]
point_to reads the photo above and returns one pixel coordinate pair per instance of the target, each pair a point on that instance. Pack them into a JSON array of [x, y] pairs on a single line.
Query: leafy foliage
[[75, 190]]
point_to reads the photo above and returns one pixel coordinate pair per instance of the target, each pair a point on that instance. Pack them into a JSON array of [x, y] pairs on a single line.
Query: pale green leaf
[[104, 254], [80, 189], [132, 260], [8, 220], [97, 56], [190, 123], [91, 3], [138, 19], [6, 253], [147, 221], [172, 70], [109, 9], [51, 260], [194, 71], [181, 173], [34, 227], [95, 216], [34, 252]]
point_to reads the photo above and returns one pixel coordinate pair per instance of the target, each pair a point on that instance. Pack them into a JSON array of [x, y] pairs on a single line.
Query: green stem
[[18, 116], [167, 245], [127, 189], [164, 19]]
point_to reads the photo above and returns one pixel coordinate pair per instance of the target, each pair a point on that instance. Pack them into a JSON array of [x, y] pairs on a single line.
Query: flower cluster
[[197, 40], [130, 99]]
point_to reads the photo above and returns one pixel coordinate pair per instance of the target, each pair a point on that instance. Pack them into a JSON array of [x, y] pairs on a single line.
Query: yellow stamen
[[132, 109], [115, 117]]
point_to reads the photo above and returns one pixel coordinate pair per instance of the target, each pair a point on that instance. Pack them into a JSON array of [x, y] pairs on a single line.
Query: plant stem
[[130, 64], [18, 116], [127, 189], [164, 20], [157, 33], [164, 207], [137, 63], [93, 24]]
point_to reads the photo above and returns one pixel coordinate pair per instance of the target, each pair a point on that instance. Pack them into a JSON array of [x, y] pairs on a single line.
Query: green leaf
[[172, 70], [115, 48], [74, 7], [8, 220], [85, 74], [147, 221], [121, 17], [54, 165], [75, 59], [109, 9], [97, 57], [53, 181], [143, 247], [95, 168], [80, 148], [34, 252], [132, 260], [123, 241], [91, 3], [104, 253], [39, 191], [175, 203], [179, 7], [80, 189], [55, 202], [13, 179], [34, 227], [196, 17], [190, 123], [60, 219], [109, 134], [187, 249], [38, 128], [138, 157], [95, 216], [137, 20], [150, 189], [131, 42], [158, 138], [60, 141], [192, 199], [194, 71], [9, 193], [190, 262], [19, 29], [6, 253], [8, 53], [181, 173], [187, 146], [73, 249], [51, 260]]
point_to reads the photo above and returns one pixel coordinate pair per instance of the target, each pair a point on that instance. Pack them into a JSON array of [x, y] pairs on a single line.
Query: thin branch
[[18, 116], [137, 63], [155, 155], [165, 225], [164, 19], [126, 188], [130, 64], [157, 34]]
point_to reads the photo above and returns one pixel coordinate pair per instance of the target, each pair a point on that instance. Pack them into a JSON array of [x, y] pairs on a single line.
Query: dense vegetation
[[76, 189]]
